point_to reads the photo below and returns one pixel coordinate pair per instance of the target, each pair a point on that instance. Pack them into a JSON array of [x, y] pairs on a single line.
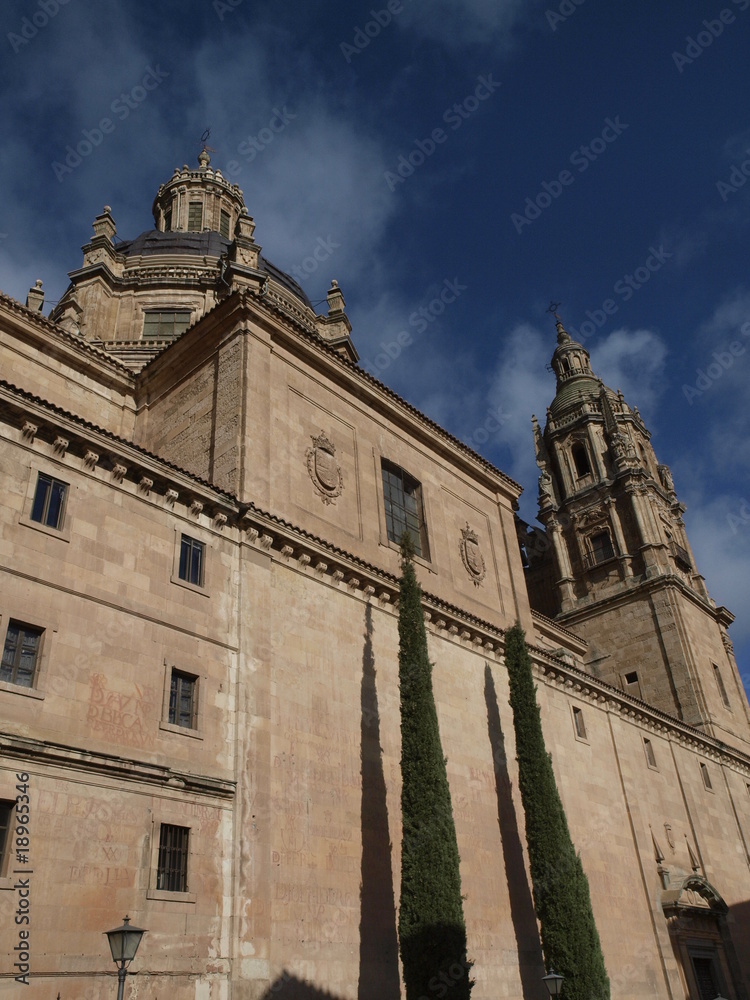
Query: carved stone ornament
[[472, 556], [323, 468]]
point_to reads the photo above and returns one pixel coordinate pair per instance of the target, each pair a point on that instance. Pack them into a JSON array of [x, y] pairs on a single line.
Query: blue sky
[[501, 153]]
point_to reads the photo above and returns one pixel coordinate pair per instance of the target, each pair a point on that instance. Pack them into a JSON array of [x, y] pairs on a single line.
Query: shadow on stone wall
[[289, 987], [521, 904], [378, 940]]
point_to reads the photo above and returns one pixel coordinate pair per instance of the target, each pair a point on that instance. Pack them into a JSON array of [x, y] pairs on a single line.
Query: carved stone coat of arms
[[471, 555], [323, 468]]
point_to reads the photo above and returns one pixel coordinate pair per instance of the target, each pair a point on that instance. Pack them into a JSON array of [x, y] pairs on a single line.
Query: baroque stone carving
[[471, 555], [323, 468]]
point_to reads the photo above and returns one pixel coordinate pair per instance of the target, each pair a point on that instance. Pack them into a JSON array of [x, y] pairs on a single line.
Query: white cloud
[[634, 362], [486, 22]]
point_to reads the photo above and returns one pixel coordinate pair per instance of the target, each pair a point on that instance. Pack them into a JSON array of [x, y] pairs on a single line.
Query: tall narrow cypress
[[570, 939], [432, 932]]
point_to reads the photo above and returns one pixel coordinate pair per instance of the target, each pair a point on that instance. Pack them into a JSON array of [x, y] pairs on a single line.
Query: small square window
[[191, 560], [649, 750], [182, 699], [172, 866], [49, 501], [580, 725], [706, 777], [224, 224], [195, 216], [7, 807], [631, 684], [23, 645]]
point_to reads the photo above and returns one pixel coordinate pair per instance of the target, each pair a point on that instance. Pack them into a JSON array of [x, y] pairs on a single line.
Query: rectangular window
[[601, 548], [650, 755], [224, 224], [720, 685], [23, 645], [6, 822], [191, 560], [580, 725], [49, 501], [171, 874], [165, 325], [402, 497], [631, 684], [182, 700], [168, 220], [195, 217], [706, 777]]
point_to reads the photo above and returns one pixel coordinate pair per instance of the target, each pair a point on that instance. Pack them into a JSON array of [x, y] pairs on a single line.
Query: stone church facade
[[199, 710]]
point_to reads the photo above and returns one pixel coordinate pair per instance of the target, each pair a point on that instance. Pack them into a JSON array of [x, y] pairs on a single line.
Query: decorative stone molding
[[353, 583], [337, 575], [220, 519], [453, 630], [464, 634], [321, 567], [61, 445], [471, 555], [170, 496], [303, 559], [384, 597], [287, 551], [440, 623], [29, 430], [91, 458], [195, 507], [252, 534], [145, 485], [369, 590], [323, 469], [119, 472], [427, 616], [266, 541]]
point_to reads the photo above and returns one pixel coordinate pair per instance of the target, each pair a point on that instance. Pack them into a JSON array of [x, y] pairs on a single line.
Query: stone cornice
[[553, 671], [23, 748]]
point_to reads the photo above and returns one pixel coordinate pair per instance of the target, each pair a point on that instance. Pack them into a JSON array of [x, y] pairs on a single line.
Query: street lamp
[[123, 943], [553, 982]]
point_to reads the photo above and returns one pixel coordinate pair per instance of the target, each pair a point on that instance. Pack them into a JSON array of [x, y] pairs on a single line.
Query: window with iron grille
[[49, 501], [171, 874], [600, 548], [182, 699], [191, 560], [224, 223], [7, 807], [402, 496], [195, 216], [163, 325], [23, 645]]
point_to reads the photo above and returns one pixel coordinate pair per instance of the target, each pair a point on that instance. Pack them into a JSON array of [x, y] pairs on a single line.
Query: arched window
[[581, 460]]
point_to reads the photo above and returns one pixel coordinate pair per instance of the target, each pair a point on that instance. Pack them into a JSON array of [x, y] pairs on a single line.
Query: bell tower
[[614, 563]]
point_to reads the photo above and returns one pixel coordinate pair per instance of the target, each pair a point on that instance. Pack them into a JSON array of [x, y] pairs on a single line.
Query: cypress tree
[[432, 932], [561, 890]]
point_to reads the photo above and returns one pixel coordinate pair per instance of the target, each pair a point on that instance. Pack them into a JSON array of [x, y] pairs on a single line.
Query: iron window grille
[[182, 700], [402, 497], [195, 216], [600, 549], [23, 644], [224, 224], [49, 501], [171, 875], [191, 560]]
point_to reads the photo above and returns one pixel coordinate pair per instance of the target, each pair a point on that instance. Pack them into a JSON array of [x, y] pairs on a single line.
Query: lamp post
[[553, 982], [123, 943]]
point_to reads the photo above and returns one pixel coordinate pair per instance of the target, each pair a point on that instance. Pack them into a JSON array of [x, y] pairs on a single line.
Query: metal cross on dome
[[553, 307]]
